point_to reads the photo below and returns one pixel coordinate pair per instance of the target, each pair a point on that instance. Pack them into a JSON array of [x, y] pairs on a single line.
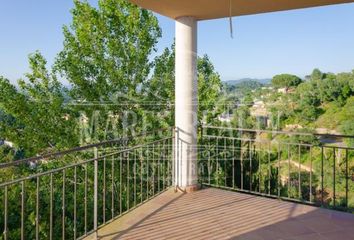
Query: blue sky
[[264, 45]]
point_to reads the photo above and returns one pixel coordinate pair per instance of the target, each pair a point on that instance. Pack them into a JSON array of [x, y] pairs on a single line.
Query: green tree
[[209, 89], [285, 81], [106, 49], [347, 127], [317, 75], [106, 60], [37, 119], [346, 117], [242, 118]]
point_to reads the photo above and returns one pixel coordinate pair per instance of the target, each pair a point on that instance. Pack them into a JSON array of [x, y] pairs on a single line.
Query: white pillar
[[186, 105]]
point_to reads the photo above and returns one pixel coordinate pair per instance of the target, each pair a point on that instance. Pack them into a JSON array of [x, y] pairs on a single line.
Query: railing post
[[176, 157], [346, 178], [322, 175], [95, 197], [5, 233], [200, 158], [334, 177], [173, 157]]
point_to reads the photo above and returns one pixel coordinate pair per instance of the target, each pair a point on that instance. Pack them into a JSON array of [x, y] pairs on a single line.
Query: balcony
[[256, 184], [218, 214]]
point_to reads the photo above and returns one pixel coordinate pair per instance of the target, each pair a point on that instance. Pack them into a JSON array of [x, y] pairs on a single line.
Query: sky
[[264, 45]]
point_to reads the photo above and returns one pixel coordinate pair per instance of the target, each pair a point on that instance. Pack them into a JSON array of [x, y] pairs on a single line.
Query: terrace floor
[[219, 214]]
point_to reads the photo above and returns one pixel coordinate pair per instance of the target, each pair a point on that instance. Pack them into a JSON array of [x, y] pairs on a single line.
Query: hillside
[[235, 82], [336, 117]]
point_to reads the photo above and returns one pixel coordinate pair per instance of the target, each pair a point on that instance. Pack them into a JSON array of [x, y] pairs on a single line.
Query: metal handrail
[[283, 143], [276, 169], [278, 132], [98, 158], [78, 149], [125, 178], [144, 170]]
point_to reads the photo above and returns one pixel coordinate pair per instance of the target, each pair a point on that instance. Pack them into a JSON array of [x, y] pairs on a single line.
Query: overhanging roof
[[211, 9]]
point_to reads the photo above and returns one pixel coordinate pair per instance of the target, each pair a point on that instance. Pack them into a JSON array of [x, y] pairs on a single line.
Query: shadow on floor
[[219, 214]]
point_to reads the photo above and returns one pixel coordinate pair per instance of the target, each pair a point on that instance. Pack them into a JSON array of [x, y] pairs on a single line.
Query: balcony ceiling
[[211, 9]]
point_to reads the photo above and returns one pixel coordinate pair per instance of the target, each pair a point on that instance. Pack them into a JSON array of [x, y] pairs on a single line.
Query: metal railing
[[287, 165], [71, 194]]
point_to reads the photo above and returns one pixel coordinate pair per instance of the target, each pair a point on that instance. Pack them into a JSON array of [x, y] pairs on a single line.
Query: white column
[[186, 106]]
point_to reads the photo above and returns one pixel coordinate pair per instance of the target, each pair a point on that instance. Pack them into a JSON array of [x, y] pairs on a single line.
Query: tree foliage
[[106, 59], [286, 81], [37, 119], [106, 49]]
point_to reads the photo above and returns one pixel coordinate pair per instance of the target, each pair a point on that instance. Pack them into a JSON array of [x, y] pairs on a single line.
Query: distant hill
[[236, 82], [244, 86]]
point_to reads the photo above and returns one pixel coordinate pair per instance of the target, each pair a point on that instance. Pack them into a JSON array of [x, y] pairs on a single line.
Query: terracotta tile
[[314, 236], [217, 214], [322, 225], [290, 228]]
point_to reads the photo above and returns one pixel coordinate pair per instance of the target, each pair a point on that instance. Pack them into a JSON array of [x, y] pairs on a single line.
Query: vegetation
[[320, 103], [321, 100], [30, 124], [283, 166], [285, 81], [117, 90], [106, 60], [243, 86]]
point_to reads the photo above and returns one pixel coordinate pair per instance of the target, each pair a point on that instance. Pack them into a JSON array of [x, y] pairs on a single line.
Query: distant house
[[282, 90], [225, 117], [290, 127], [259, 109], [327, 131], [286, 90], [7, 143], [257, 103], [260, 112], [66, 117]]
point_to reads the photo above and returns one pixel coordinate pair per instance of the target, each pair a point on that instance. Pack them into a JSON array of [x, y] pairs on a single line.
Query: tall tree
[[37, 119], [286, 81], [106, 49], [317, 74], [106, 59]]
